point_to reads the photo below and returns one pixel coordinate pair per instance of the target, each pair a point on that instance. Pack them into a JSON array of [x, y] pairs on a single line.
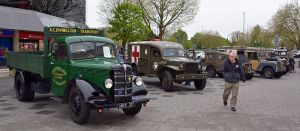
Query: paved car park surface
[[263, 105]]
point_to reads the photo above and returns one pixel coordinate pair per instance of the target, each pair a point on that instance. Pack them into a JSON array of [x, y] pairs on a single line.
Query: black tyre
[[167, 81], [211, 71], [249, 76], [278, 75], [268, 73], [80, 110], [133, 110], [220, 75], [200, 84], [22, 89]]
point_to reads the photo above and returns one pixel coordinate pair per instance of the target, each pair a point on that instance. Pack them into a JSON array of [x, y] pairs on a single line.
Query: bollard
[[298, 64]]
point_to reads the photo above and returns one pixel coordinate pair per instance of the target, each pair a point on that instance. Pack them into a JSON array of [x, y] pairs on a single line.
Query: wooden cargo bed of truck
[[34, 62]]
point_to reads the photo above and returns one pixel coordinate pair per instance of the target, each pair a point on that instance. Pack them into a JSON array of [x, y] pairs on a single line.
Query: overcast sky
[[224, 16]]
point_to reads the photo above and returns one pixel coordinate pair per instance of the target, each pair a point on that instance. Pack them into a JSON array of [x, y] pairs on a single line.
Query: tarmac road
[[263, 105]]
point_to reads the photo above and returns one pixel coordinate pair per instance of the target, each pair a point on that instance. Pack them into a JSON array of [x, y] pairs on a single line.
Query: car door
[[59, 69], [144, 60], [156, 57]]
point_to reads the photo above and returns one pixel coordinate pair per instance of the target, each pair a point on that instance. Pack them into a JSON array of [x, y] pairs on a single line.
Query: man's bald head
[[232, 56]]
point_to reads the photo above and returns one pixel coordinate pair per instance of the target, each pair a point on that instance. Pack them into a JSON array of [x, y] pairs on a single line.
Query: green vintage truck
[[81, 69]]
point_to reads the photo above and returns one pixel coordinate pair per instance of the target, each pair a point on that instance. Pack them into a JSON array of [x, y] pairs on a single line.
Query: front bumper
[[183, 77], [104, 103]]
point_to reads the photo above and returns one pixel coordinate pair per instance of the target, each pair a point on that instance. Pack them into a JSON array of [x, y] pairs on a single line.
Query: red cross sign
[[135, 49]]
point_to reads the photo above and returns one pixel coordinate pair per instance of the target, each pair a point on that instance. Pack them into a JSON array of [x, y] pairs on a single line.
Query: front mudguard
[[87, 90]]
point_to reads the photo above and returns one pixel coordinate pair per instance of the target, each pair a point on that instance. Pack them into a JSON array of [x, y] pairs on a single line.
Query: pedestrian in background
[[233, 73]]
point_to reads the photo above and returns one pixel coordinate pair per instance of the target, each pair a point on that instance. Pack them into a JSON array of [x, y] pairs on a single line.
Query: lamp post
[[244, 22]]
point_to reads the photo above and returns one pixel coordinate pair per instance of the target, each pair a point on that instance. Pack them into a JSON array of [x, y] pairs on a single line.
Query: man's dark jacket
[[233, 72]]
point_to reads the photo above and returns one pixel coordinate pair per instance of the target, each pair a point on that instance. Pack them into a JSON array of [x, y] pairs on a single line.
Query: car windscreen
[[106, 50], [173, 52], [82, 50], [86, 50]]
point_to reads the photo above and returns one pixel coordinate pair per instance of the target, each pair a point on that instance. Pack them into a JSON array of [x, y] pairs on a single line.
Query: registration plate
[[126, 105]]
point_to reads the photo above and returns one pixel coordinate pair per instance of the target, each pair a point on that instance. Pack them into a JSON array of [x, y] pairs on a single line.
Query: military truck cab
[[167, 61], [82, 70]]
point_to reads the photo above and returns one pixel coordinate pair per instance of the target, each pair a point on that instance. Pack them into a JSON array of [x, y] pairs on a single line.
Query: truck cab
[[167, 61], [81, 68]]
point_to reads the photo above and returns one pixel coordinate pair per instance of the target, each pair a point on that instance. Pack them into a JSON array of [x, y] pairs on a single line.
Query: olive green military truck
[[82, 70], [267, 68], [214, 64], [167, 61]]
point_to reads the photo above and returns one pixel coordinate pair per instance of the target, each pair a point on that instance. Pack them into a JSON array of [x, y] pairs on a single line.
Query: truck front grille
[[191, 68], [122, 87]]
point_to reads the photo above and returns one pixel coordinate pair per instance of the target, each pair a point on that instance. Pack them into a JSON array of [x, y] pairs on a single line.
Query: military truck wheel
[[211, 71], [268, 73], [220, 75], [200, 84], [132, 111], [167, 81], [22, 89], [79, 109], [249, 76], [278, 75]]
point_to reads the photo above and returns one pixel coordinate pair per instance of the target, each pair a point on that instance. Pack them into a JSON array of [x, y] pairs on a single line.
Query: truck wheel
[[249, 76], [278, 75], [132, 111], [79, 109], [22, 89], [200, 84], [220, 75], [268, 73], [167, 81], [211, 71]]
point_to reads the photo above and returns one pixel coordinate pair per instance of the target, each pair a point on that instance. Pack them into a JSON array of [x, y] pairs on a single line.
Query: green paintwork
[[61, 72]]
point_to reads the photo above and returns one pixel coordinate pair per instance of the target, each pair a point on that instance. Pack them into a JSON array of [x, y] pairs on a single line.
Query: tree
[[286, 24], [209, 39], [160, 15], [239, 39], [73, 10], [260, 37], [127, 23], [180, 36]]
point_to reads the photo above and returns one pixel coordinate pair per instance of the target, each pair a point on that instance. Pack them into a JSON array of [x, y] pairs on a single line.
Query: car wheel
[[22, 89], [268, 73], [220, 75], [211, 71], [167, 81], [278, 75], [79, 109], [132, 111], [249, 76], [200, 84]]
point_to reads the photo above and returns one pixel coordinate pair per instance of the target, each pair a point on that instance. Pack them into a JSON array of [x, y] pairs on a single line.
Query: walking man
[[233, 73]]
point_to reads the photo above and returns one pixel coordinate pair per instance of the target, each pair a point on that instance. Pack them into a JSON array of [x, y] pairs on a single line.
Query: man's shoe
[[233, 109], [225, 103]]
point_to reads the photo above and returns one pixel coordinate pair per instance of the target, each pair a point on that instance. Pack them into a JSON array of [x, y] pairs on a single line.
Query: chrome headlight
[[203, 68], [181, 66], [138, 81], [108, 83]]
